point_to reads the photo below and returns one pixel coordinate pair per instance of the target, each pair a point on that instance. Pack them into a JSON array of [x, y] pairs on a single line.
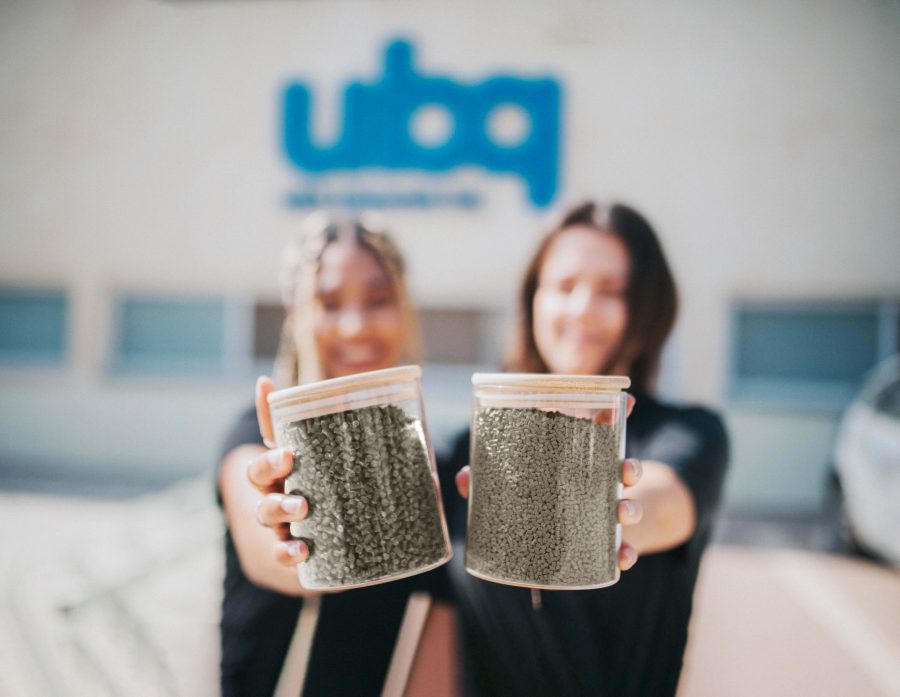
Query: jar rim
[[347, 383], [552, 382]]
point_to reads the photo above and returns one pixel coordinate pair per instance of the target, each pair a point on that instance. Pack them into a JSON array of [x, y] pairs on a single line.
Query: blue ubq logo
[[379, 130]]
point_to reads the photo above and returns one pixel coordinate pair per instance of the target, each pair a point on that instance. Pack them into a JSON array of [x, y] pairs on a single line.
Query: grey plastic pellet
[[373, 508], [543, 503]]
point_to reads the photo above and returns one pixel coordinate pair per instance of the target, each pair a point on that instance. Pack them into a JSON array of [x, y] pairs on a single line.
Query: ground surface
[[120, 597]]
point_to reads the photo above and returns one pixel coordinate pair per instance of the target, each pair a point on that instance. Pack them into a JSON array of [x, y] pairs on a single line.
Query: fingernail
[[630, 555], [291, 504], [630, 507], [277, 459], [294, 548]]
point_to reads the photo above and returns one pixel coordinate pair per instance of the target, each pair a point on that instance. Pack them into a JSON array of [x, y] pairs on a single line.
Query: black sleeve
[[694, 443], [455, 506], [245, 431]]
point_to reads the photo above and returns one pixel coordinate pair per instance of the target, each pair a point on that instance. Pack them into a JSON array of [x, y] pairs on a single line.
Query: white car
[[867, 464]]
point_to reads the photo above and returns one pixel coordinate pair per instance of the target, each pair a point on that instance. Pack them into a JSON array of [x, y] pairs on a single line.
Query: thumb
[[264, 386], [462, 482]]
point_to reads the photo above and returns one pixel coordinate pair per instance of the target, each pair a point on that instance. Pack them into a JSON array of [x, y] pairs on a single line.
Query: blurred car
[[866, 480]]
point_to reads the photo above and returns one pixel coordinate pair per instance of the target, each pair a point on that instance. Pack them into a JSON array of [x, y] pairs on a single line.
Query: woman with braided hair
[[347, 311]]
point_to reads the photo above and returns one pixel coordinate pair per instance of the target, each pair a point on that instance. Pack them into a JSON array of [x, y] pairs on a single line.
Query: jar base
[[520, 584], [377, 581]]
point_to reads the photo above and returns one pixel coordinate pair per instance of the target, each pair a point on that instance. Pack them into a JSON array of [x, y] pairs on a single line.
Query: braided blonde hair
[[297, 360]]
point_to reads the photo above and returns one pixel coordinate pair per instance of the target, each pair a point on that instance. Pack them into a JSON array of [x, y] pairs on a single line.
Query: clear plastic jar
[[364, 462], [546, 479]]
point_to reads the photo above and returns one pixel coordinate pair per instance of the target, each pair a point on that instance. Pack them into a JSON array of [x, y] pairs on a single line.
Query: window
[[887, 401], [450, 335], [32, 325], [463, 336], [238, 336], [267, 321], [168, 334], [815, 353]]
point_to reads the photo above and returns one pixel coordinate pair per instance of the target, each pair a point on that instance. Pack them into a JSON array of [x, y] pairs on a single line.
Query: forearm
[[669, 513], [254, 542]]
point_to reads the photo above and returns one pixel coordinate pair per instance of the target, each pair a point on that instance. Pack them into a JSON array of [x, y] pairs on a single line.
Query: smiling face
[[580, 310], [358, 321]]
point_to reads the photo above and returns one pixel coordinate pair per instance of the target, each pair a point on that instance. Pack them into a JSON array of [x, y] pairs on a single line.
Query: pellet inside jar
[[544, 498], [373, 506]]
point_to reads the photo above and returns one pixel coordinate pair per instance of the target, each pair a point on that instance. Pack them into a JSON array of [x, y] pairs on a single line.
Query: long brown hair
[[651, 296], [298, 361]]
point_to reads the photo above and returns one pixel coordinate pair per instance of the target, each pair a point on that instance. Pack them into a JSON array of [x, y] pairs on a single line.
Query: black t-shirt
[[624, 640], [627, 639]]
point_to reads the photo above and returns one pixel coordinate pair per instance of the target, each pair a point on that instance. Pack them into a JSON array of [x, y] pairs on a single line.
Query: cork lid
[[347, 384], [545, 382]]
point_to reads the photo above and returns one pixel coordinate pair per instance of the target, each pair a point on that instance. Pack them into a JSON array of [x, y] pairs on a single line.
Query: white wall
[[139, 149]]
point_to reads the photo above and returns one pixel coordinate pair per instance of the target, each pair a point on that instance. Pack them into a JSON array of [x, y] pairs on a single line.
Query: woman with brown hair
[[598, 298]]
